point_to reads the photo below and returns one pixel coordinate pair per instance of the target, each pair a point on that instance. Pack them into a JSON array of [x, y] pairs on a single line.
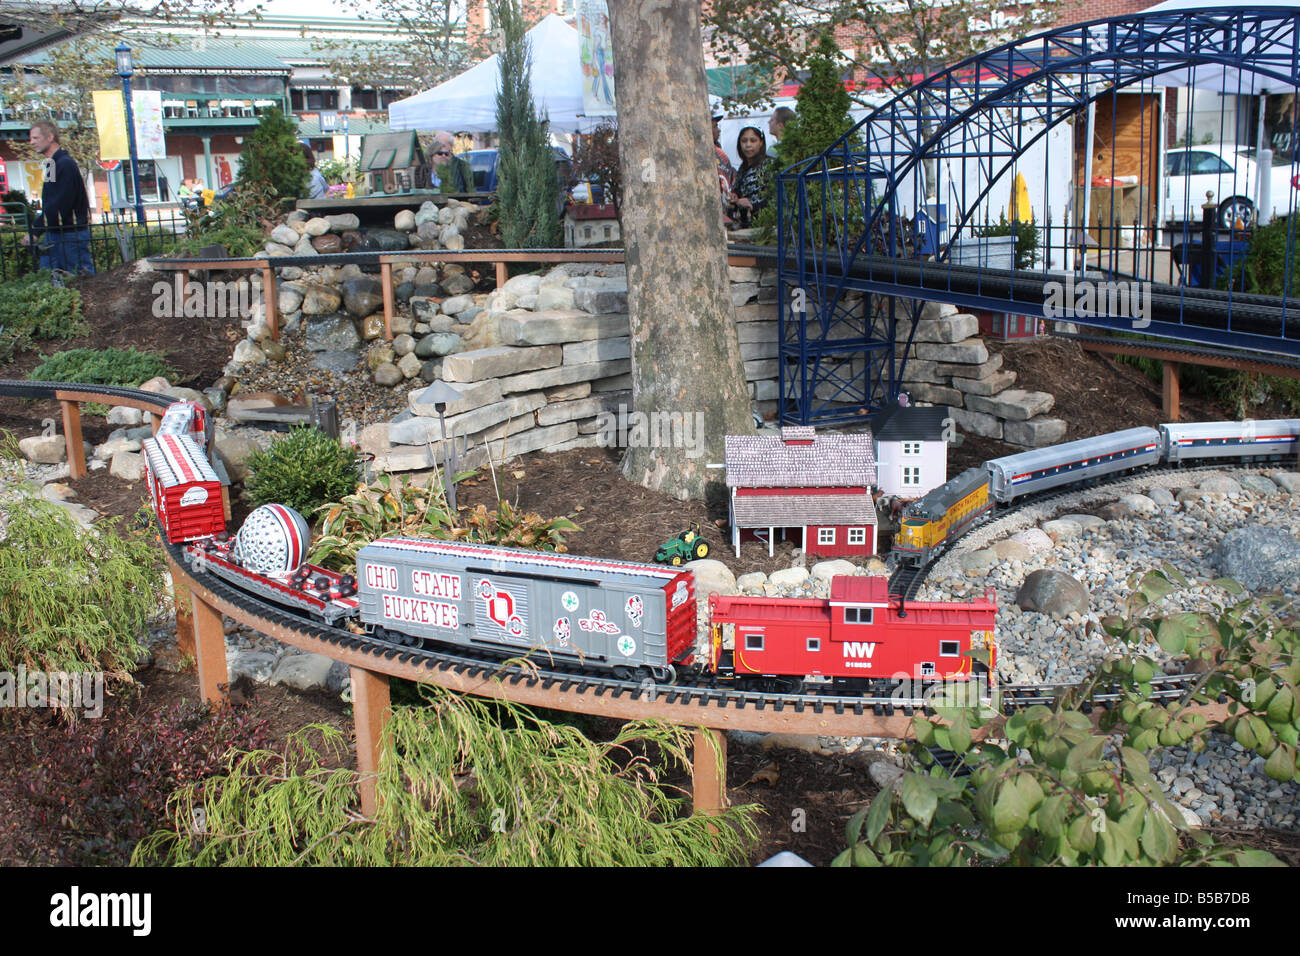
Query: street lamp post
[[124, 69]]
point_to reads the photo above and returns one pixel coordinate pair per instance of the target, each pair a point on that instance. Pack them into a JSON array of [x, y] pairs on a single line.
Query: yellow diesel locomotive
[[938, 518]]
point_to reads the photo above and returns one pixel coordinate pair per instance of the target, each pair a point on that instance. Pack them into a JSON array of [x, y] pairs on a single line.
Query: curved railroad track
[[543, 683]]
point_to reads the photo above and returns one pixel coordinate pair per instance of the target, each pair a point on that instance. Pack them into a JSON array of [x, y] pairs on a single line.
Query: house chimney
[[798, 435]]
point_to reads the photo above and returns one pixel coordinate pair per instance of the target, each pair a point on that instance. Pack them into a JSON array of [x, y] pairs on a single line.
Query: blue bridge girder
[[850, 282]]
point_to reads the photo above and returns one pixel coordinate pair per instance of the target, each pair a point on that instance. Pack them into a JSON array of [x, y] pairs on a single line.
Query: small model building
[[817, 487], [910, 449]]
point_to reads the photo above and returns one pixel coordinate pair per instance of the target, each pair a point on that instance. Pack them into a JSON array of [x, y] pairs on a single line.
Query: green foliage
[[33, 308], [379, 510], [106, 781], [595, 160], [1267, 266], [821, 118], [302, 470], [457, 786], [1025, 234], [527, 190], [822, 112], [337, 171], [1056, 793], [74, 599], [273, 159], [111, 366]]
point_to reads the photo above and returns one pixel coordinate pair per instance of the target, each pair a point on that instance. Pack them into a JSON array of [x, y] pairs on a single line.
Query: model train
[[933, 522], [630, 620]]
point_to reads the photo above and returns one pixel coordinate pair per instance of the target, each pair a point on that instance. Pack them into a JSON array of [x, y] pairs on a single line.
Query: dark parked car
[[483, 162]]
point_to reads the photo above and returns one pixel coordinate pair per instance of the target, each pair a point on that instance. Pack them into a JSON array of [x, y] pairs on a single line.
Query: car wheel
[[1238, 207]]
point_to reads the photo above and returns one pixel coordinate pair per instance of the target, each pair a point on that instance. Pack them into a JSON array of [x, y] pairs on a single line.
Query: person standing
[[725, 171], [65, 207], [752, 184], [317, 188], [449, 174]]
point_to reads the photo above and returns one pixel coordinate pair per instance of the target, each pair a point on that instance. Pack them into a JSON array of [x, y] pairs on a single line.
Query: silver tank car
[[1045, 468], [1193, 441], [613, 614]]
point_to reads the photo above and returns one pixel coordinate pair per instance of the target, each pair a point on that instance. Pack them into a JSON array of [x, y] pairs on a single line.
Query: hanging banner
[[150, 142], [110, 121], [596, 50]]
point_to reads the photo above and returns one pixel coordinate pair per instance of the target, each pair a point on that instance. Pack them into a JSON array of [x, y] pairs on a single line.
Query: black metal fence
[[115, 238]]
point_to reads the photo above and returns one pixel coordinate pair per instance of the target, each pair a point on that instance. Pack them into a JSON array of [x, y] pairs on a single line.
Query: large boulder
[[331, 333], [1052, 592], [362, 295], [386, 240], [1259, 557], [457, 284], [320, 300]]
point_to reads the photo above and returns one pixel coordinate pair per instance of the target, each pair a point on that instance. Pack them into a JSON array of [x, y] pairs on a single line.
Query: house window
[[857, 615], [857, 536], [825, 535], [753, 642], [814, 645], [911, 448], [912, 477], [927, 668], [949, 649]]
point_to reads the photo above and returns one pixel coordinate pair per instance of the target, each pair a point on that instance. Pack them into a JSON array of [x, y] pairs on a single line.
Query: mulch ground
[[807, 798]]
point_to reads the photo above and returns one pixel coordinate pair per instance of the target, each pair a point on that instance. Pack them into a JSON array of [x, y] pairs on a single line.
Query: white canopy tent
[[468, 103]]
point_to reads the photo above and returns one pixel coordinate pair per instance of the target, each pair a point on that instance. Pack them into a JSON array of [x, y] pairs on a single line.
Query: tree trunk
[[688, 379]]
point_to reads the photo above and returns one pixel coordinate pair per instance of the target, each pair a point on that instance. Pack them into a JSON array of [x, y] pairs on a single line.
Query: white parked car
[[1231, 173]]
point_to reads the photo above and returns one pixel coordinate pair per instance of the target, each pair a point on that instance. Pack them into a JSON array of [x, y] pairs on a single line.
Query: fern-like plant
[[464, 782]]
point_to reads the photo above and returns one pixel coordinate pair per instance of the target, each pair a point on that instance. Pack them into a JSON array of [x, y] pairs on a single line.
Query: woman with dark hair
[[317, 188], [752, 184]]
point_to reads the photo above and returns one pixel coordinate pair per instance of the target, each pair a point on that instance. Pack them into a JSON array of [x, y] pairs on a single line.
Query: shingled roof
[[796, 511], [800, 458]]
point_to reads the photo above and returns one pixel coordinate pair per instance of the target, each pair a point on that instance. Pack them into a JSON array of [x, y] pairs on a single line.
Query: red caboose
[[185, 489], [861, 633]]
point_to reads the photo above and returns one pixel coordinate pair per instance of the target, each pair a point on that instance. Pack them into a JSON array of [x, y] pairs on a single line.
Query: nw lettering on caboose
[[859, 648]]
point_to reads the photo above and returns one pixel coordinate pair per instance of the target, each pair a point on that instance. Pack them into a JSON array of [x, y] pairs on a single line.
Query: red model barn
[[861, 632], [800, 483]]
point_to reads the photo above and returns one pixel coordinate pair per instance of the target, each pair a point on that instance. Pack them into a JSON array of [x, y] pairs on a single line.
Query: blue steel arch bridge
[[1098, 133]]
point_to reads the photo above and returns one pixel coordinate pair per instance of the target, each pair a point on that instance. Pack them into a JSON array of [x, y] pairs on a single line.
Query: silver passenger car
[[1192, 441], [1044, 468]]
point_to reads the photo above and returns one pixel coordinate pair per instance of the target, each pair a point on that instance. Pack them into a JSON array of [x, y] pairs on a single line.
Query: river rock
[[127, 465], [1287, 480], [457, 304], [288, 299], [386, 240], [316, 227], [331, 333], [788, 577], [124, 415], [1259, 557], [1052, 592], [458, 284], [1220, 485], [437, 344], [44, 449], [387, 375], [340, 361], [825, 570], [409, 365], [1034, 540], [1062, 529], [327, 244], [711, 577], [285, 235], [343, 222], [362, 295], [404, 220], [1130, 506], [248, 353], [372, 326], [1163, 497], [1258, 484], [320, 300], [428, 212]]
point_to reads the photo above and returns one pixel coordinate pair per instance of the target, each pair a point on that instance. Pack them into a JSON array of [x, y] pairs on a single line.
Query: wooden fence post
[[371, 708], [709, 770]]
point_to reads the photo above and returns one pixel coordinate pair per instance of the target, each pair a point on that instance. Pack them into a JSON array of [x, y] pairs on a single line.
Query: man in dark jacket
[[65, 207]]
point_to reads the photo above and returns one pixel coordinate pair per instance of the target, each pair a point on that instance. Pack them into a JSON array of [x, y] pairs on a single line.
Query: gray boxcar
[[1045, 468], [1273, 438], [604, 614]]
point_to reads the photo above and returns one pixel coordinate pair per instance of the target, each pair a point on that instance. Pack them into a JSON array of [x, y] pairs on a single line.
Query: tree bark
[[686, 362]]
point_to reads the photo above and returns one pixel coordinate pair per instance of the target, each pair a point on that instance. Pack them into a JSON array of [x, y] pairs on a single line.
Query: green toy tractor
[[687, 546]]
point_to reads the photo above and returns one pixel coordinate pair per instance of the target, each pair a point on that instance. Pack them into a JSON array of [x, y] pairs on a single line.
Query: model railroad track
[[693, 695]]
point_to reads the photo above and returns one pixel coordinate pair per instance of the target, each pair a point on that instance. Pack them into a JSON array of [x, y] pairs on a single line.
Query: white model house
[[910, 448]]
